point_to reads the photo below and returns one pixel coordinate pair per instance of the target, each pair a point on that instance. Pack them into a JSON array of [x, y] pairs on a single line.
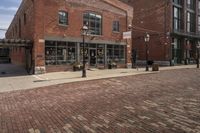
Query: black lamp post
[[198, 48], [84, 33], [146, 39]]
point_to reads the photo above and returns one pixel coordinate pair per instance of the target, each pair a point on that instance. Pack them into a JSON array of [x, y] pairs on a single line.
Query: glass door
[[93, 57]]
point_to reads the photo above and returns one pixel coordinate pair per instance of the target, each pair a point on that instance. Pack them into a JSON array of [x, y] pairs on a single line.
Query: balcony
[[186, 34]]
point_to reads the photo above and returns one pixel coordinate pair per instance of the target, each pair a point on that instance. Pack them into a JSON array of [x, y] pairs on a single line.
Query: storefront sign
[[127, 35]]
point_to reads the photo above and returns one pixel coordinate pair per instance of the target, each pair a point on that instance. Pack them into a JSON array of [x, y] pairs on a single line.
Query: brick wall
[[27, 29], [47, 13], [23, 18], [42, 21], [150, 14], [17, 55]]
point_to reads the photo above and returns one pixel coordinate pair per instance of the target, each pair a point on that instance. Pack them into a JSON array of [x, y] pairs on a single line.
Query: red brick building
[[173, 25], [54, 26]]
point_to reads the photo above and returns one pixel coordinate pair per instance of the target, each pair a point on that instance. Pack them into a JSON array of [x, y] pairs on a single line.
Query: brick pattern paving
[[167, 102]]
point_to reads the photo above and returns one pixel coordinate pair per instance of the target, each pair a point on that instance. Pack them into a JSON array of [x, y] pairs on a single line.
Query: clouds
[[8, 8], [5, 20], [4, 23]]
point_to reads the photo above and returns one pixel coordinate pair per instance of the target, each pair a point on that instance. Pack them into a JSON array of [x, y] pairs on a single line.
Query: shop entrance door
[[93, 57]]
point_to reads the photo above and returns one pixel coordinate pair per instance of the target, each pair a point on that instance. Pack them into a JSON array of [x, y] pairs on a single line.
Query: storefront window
[[71, 53], [115, 53], [59, 53], [100, 54], [50, 53], [176, 50], [86, 52]]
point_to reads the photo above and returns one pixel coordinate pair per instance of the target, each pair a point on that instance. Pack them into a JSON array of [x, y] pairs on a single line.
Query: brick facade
[[42, 24], [156, 18]]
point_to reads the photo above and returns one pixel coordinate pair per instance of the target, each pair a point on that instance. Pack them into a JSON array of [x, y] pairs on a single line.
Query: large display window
[[115, 53], [67, 53], [59, 53]]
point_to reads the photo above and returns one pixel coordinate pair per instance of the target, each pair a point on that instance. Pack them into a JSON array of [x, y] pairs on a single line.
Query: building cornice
[[122, 6]]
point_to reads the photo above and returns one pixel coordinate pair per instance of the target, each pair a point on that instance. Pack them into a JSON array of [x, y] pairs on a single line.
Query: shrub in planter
[[77, 66], [112, 65]]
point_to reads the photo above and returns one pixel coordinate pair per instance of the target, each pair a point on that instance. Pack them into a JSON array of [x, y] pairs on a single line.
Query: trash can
[[109, 66], [155, 67], [150, 62]]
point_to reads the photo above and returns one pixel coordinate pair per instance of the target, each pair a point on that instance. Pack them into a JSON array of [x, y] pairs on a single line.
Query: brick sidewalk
[[14, 81], [164, 102]]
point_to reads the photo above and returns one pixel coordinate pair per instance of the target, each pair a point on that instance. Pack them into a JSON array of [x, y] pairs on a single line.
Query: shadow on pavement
[[11, 70]]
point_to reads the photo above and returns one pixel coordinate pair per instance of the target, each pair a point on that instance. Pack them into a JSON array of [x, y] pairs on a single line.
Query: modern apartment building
[[54, 27], [174, 28]]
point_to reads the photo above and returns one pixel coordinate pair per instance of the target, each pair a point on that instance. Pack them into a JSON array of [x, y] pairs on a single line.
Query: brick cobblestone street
[[165, 102]]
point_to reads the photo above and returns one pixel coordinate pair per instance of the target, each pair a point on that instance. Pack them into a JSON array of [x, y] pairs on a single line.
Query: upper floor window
[[15, 29], [191, 4], [199, 24], [190, 22], [94, 23], [116, 26], [199, 6], [178, 2], [176, 18], [20, 28], [63, 18], [24, 18]]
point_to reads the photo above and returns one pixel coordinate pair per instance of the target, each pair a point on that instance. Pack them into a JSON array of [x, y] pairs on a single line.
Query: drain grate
[[123, 72], [39, 81]]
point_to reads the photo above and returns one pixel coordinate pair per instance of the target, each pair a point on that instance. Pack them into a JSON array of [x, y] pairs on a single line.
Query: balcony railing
[[186, 34]]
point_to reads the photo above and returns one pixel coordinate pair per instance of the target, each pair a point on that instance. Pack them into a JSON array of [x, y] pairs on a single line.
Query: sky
[[8, 8]]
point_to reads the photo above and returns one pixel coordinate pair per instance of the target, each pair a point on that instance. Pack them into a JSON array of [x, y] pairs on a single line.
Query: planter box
[[77, 68], [155, 67]]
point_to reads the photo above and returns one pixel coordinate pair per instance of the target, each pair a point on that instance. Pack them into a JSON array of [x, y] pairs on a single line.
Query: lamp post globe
[[147, 37], [84, 29], [146, 40], [84, 33]]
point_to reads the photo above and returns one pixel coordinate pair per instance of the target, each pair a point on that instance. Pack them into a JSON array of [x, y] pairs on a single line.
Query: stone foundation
[[40, 70]]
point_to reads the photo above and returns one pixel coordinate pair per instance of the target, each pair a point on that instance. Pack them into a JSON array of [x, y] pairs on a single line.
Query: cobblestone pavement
[[166, 102]]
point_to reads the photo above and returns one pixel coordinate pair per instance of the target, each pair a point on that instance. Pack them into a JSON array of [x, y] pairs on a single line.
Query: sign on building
[[127, 35]]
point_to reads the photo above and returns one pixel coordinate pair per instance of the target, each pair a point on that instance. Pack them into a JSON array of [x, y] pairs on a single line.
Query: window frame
[[198, 24], [190, 4], [190, 22], [116, 26], [25, 18], [88, 22], [177, 2], [67, 18], [177, 20]]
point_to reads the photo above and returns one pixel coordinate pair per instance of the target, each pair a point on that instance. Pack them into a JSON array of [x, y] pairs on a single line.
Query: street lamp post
[[146, 39], [84, 33], [198, 48]]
